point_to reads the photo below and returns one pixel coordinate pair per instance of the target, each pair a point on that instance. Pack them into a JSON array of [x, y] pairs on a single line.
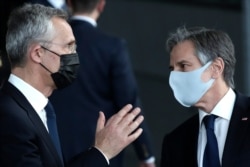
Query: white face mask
[[188, 87]]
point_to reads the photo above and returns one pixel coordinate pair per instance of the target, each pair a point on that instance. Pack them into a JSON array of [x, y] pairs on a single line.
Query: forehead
[[63, 31], [183, 51]]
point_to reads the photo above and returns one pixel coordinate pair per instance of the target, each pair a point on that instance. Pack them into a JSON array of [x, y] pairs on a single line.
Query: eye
[[183, 66], [72, 47]]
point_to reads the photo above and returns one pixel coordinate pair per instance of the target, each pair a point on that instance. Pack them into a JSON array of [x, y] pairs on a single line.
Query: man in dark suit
[[202, 63], [105, 82], [41, 48]]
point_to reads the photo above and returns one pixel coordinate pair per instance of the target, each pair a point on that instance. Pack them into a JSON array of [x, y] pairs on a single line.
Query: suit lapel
[[237, 130], [193, 140], [35, 119]]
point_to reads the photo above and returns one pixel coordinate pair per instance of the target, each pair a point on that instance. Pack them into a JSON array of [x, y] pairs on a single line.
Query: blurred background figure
[[5, 8], [4, 67], [105, 83]]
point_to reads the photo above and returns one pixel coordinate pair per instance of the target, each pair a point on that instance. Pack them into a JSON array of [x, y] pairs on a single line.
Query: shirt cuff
[[150, 160], [103, 155]]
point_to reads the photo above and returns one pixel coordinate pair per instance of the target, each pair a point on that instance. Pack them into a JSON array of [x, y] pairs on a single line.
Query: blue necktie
[[51, 123], [211, 153]]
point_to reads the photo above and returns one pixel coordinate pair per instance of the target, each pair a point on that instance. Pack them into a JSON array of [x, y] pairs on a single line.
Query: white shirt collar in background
[[85, 18], [57, 3]]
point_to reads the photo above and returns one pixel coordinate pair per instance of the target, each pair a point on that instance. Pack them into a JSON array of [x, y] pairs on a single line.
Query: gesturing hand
[[119, 131]]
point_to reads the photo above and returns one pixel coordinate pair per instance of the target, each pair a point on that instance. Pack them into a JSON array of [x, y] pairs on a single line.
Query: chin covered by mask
[[188, 87], [68, 70], [69, 64]]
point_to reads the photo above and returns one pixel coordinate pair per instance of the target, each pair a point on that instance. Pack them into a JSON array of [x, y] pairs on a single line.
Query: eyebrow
[[178, 63], [182, 62], [71, 42]]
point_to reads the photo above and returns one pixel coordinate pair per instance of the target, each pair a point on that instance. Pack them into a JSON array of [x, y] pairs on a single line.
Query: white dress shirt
[[223, 110], [37, 100]]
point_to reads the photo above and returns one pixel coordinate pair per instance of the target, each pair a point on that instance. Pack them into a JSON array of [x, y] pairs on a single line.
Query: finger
[[100, 122], [135, 124], [129, 117], [134, 135], [119, 116]]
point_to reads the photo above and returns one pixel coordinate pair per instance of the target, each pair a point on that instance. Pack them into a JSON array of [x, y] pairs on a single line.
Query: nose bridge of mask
[[199, 70], [191, 73], [69, 59], [68, 70]]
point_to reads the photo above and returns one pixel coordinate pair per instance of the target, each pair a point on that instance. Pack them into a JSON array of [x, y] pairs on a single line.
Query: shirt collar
[[224, 107], [85, 18], [57, 4], [35, 98]]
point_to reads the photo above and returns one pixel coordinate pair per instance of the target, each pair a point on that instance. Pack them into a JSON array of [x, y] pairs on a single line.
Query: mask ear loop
[[45, 68], [213, 70], [207, 67], [51, 52]]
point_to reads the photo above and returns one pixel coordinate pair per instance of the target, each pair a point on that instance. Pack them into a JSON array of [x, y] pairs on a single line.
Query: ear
[[35, 53], [101, 5], [217, 67]]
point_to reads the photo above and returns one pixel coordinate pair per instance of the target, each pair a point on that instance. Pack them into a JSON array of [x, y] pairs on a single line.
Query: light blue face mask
[[188, 87]]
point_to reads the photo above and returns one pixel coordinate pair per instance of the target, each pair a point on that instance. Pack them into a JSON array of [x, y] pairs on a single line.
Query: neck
[[213, 96], [34, 78]]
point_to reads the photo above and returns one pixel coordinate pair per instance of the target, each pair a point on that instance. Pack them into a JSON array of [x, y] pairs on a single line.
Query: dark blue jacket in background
[[105, 83]]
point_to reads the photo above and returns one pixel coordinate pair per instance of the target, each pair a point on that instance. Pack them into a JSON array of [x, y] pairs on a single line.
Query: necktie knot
[[50, 111], [209, 121]]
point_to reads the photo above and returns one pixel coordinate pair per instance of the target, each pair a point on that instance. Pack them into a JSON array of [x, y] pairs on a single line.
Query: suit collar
[[35, 97], [190, 139], [237, 131], [35, 119]]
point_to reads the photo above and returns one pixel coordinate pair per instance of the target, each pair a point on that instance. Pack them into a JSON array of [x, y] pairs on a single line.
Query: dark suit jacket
[[180, 146], [24, 140], [105, 83]]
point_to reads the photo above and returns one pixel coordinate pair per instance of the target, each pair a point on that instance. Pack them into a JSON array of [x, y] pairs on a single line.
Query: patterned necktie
[[51, 123], [211, 153]]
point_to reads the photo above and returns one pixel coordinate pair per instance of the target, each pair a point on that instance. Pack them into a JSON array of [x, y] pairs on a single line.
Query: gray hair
[[209, 44], [27, 25]]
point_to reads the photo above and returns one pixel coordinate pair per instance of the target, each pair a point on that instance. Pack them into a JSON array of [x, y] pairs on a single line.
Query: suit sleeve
[[92, 158], [164, 153], [125, 91]]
